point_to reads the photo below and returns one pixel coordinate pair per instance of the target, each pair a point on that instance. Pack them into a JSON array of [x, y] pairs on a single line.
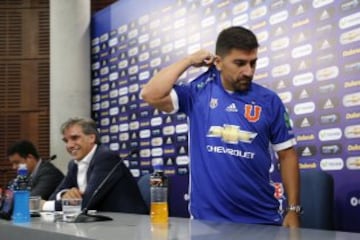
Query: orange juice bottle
[[159, 194]]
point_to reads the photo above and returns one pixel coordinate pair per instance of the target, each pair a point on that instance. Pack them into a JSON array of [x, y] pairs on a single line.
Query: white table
[[133, 226]]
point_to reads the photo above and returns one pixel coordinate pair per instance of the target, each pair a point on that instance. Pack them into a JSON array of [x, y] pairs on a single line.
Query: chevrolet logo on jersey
[[231, 134]]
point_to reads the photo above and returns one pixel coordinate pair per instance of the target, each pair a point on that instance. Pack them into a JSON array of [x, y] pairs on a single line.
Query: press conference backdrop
[[309, 55]]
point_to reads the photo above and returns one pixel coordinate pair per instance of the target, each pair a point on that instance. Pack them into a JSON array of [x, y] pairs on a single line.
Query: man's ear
[[218, 63], [92, 138]]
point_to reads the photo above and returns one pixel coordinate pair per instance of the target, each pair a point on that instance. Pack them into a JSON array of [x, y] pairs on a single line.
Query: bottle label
[[21, 212], [22, 183]]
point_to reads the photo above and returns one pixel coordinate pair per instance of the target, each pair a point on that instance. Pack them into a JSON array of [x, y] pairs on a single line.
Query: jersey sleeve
[[182, 101], [282, 135]]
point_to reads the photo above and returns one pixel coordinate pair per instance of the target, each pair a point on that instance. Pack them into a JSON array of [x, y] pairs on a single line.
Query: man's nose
[[69, 144], [248, 70]]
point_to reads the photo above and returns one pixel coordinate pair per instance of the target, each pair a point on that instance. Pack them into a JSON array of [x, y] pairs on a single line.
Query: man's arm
[[68, 182], [101, 165], [157, 91], [46, 181], [289, 168]]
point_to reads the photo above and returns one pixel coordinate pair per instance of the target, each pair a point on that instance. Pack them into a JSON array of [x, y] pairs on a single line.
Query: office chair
[[144, 187], [317, 199]]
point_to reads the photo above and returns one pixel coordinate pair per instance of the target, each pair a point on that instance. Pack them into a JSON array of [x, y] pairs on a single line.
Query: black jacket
[[46, 179], [119, 194]]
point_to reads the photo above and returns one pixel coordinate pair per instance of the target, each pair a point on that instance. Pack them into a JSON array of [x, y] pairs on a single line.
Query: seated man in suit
[[91, 163], [45, 177]]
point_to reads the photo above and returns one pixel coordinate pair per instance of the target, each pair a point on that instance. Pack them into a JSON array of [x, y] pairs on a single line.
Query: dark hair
[[235, 38], [23, 148], [88, 126]]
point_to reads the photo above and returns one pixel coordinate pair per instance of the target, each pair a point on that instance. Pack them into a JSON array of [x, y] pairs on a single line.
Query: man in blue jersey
[[233, 123]]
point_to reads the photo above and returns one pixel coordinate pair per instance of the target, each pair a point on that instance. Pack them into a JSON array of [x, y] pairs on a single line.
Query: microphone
[[50, 158], [84, 216]]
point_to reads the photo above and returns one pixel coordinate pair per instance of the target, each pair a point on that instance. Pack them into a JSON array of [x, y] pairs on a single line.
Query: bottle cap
[[22, 169], [22, 166]]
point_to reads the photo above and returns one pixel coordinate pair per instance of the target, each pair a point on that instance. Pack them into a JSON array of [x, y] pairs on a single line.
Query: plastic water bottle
[[21, 186], [159, 192]]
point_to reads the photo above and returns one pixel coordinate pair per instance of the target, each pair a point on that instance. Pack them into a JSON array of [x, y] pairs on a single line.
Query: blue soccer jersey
[[230, 136]]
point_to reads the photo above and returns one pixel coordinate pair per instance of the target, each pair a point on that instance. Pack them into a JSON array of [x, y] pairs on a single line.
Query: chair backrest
[[317, 199], [144, 187]]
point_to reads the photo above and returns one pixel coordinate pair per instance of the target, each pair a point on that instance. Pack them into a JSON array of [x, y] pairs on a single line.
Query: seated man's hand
[[73, 193]]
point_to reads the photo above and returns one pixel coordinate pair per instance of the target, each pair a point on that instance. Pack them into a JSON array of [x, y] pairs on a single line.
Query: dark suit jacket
[[46, 179], [120, 193]]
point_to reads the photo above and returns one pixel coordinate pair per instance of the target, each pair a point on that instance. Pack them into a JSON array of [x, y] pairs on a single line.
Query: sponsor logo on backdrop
[[355, 200], [351, 100], [330, 149], [328, 88], [327, 73], [114, 146], [352, 131], [331, 164], [324, 59], [303, 93], [156, 121], [329, 103], [308, 165], [352, 67], [105, 139], [301, 51], [303, 79], [352, 115], [280, 44], [349, 21], [182, 160], [352, 84], [306, 151], [182, 171], [330, 134], [114, 129], [304, 122], [321, 3], [353, 147], [353, 163], [305, 137], [304, 108], [285, 97], [278, 17], [350, 36]]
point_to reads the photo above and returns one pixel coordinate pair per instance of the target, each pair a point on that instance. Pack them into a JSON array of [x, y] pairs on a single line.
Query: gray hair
[[88, 126]]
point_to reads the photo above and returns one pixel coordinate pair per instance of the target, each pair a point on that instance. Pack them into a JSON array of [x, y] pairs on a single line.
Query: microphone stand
[[84, 216]]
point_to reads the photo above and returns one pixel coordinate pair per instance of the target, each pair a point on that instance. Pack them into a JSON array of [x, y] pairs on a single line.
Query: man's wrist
[[298, 209]]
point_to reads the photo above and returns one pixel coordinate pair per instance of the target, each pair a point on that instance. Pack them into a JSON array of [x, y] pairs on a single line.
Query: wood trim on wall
[[24, 77]]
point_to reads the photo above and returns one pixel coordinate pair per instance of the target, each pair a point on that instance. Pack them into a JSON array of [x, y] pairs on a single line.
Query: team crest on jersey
[[252, 112], [214, 103]]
